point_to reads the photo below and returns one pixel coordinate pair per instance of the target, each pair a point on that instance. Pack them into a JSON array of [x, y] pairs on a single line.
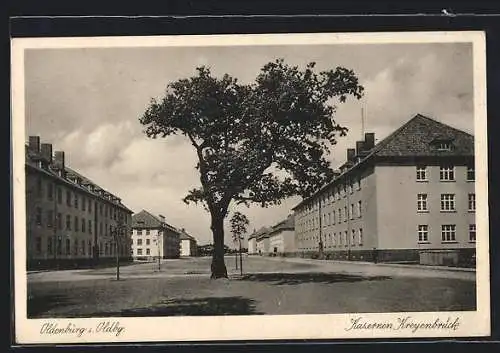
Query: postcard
[[250, 187]]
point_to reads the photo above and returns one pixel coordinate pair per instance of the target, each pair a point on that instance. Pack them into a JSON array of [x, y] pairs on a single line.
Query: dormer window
[[444, 146]]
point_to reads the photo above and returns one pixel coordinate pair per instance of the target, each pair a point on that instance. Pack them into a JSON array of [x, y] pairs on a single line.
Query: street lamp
[[117, 233]]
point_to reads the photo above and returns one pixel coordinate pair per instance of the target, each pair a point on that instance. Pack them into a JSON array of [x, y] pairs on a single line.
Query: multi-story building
[[189, 245], [152, 237], [71, 221], [408, 198], [282, 237]]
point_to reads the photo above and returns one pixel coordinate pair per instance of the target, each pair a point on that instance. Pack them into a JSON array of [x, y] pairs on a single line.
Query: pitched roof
[[144, 219], [69, 177], [415, 138], [259, 234], [286, 224], [185, 236]]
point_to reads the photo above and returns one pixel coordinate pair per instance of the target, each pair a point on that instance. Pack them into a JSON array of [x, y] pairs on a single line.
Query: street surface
[[268, 286]]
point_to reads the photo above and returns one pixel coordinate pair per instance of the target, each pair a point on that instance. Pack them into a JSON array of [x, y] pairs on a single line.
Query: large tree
[[256, 143]]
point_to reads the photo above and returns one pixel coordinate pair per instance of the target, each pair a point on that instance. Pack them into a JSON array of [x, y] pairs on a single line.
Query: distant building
[[152, 237], [189, 245], [282, 237], [262, 240], [71, 221], [252, 244], [409, 198]]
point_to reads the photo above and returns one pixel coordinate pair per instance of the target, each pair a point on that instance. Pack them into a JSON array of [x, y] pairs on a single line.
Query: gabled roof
[[259, 234], [185, 236], [286, 224], [414, 139], [144, 219]]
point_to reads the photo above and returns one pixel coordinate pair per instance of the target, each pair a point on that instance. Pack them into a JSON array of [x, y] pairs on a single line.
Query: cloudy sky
[[87, 102]]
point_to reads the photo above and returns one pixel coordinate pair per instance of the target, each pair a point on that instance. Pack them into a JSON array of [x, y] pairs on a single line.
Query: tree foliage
[[259, 142], [239, 223]]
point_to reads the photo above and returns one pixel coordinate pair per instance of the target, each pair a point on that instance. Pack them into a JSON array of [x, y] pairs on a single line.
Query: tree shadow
[[309, 277], [37, 306], [188, 307]]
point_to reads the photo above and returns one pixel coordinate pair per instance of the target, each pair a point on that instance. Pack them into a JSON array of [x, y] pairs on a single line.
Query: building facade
[[152, 237], [409, 198], [71, 221], [282, 237], [189, 246]]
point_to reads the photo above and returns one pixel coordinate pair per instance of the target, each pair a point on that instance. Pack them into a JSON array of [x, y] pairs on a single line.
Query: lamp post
[[117, 233], [159, 249]]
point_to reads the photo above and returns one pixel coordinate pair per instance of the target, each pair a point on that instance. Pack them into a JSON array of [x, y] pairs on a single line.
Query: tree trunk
[[218, 267]]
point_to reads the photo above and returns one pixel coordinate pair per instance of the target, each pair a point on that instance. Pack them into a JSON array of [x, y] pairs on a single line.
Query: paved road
[[252, 265]]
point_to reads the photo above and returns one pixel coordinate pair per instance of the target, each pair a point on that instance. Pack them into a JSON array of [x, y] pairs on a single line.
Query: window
[[68, 198], [90, 226], [106, 211], [38, 245], [59, 246], [358, 183], [422, 202], [359, 209], [139, 242], [340, 239], [76, 201], [90, 206], [83, 247], [345, 214], [68, 222], [446, 173], [421, 173], [50, 218], [423, 233], [472, 232], [59, 220], [345, 239], [471, 173], [139, 231], [75, 223], [50, 191], [49, 246], [148, 241], [448, 232], [472, 202], [353, 237], [100, 209], [448, 202], [106, 249], [101, 249], [333, 217], [352, 211], [83, 225], [38, 216], [84, 203], [75, 247], [360, 236], [67, 247], [89, 247], [59, 195], [148, 251], [444, 146], [147, 231]]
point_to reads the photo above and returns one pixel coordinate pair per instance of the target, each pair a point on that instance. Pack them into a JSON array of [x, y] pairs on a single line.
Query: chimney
[[46, 152], [162, 217], [360, 146], [59, 160], [34, 144], [351, 152], [369, 141]]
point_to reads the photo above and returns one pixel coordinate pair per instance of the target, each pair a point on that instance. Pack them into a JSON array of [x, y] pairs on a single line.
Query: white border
[[472, 324]]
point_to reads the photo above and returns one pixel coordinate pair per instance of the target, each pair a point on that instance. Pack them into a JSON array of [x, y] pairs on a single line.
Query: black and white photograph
[[244, 187]]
